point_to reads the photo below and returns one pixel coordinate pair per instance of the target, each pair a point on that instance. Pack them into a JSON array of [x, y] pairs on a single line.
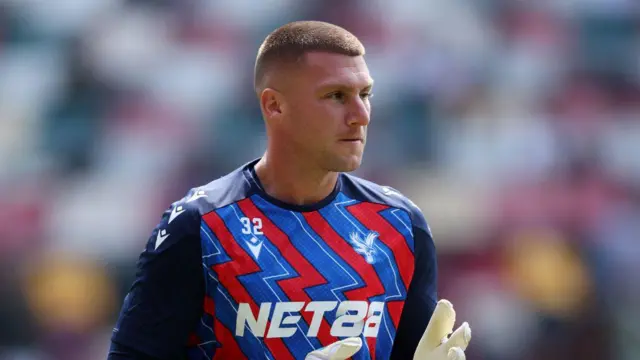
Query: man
[[289, 257]]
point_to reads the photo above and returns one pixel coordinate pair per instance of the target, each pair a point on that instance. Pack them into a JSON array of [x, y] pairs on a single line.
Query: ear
[[271, 103]]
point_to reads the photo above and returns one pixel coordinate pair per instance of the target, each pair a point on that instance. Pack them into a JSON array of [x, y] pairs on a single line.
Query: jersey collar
[[251, 176]]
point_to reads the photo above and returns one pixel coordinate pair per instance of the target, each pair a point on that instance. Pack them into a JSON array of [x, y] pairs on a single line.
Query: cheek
[[315, 123], [319, 119], [305, 128]]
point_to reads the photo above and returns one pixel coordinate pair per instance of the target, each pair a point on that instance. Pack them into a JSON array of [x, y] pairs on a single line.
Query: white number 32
[[251, 226]]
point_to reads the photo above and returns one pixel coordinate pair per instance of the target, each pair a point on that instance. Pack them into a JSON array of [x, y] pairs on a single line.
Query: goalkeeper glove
[[434, 344], [339, 350]]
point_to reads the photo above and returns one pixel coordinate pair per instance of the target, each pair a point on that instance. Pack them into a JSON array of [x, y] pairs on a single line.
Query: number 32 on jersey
[[251, 226]]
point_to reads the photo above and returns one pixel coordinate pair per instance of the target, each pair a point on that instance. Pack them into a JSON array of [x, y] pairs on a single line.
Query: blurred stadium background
[[514, 125]]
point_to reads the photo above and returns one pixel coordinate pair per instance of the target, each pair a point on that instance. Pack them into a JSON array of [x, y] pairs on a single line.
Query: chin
[[348, 164]]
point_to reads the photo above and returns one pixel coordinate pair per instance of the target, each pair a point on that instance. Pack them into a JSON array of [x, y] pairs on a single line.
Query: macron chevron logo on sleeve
[[389, 191], [197, 195], [175, 213], [162, 236]]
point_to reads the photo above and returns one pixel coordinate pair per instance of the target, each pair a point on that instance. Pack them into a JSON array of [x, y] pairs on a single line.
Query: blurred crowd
[[514, 125]]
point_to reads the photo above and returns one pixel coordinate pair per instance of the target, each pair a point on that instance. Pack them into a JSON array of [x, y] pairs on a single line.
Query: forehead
[[328, 69]]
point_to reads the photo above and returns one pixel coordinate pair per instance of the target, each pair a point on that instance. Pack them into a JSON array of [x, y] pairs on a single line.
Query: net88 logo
[[353, 318]]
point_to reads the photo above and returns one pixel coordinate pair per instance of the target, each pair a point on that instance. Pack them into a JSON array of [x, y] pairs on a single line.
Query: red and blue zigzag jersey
[[232, 273]]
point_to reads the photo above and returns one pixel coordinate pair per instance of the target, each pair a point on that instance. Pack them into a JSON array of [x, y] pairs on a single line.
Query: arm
[[121, 352], [421, 297], [165, 300]]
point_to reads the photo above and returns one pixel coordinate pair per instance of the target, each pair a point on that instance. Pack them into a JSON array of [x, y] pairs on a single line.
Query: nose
[[359, 113]]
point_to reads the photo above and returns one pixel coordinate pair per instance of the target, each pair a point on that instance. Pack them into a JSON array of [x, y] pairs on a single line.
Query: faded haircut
[[289, 43]]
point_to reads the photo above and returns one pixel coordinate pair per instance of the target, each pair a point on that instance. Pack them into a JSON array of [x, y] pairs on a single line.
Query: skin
[[316, 116]]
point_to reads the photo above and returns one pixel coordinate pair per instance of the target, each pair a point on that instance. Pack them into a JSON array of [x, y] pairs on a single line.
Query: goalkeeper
[[289, 253]]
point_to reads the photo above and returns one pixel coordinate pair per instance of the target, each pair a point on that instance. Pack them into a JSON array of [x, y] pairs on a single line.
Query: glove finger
[[460, 338], [456, 354], [346, 349], [338, 350], [440, 325]]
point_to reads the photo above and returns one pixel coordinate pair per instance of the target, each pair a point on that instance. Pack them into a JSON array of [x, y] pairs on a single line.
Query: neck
[[294, 181]]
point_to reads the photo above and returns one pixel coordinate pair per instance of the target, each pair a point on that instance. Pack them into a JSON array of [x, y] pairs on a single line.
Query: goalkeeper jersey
[[233, 273]]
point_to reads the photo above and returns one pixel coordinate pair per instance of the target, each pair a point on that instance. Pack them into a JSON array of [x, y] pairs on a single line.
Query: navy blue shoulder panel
[[183, 216], [365, 190], [231, 188], [201, 200]]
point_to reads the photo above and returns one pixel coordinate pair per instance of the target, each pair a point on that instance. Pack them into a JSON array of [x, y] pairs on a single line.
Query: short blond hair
[[288, 43]]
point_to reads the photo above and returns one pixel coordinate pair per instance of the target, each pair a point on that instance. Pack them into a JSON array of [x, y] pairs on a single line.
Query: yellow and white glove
[[434, 344], [339, 350]]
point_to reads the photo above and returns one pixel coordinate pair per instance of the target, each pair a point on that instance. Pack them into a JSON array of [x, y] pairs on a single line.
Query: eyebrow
[[343, 86]]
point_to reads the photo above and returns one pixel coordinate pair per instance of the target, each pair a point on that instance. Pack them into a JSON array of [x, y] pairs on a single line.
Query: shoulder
[[182, 218], [364, 190], [221, 192]]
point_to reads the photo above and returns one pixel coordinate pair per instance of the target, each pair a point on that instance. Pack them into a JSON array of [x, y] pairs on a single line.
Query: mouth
[[353, 140]]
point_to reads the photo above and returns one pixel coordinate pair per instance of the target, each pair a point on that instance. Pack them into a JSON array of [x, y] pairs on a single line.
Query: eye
[[338, 96], [366, 95]]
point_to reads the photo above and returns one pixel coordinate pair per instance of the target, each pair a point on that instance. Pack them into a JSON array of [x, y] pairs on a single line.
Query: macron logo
[[255, 246], [197, 195], [389, 191], [175, 213], [161, 237]]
